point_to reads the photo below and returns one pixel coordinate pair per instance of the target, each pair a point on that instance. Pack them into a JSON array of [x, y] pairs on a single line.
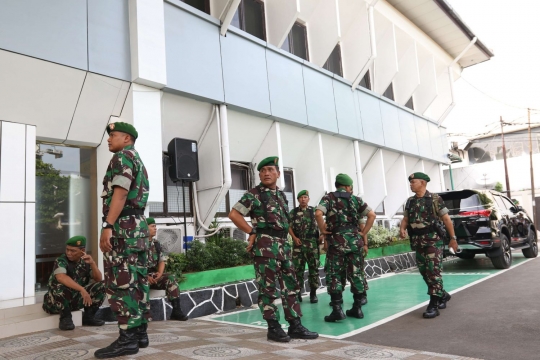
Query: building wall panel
[[13, 164], [408, 132], [53, 30], [320, 100], [108, 38], [193, 55], [390, 120], [370, 112], [12, 254], [423, 136], [347, 110]]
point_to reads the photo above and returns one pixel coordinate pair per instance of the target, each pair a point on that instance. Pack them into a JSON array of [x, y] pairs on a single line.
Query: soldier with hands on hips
[[267, 207]]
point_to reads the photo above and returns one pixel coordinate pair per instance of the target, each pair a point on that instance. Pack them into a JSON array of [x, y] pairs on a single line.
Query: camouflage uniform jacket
[[304, 225], [79, 271], [274, 217], [127, 170], [419, 217], [155, 256], [342, 218]]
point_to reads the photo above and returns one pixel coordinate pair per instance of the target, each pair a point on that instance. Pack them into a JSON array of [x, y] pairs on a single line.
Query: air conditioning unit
[[171, 240], [233, 232]]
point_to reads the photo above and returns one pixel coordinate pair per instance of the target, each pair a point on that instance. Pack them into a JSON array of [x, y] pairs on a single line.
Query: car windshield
[[459, 202]]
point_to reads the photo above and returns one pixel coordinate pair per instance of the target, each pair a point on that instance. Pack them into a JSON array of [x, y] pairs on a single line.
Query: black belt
[[423, 231], [346, 227], [273, 232], [128, 212]]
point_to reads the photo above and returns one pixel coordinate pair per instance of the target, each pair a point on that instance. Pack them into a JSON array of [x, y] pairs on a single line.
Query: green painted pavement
[[388, 296]]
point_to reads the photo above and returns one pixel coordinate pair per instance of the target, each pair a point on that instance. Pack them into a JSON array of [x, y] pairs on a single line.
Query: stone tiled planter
[[201, 302]]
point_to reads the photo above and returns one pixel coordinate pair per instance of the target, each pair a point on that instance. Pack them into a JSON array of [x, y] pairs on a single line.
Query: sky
[[510, 81]]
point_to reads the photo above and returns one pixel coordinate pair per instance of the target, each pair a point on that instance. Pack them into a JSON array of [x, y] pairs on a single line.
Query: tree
[[498, 187], [52, 195]]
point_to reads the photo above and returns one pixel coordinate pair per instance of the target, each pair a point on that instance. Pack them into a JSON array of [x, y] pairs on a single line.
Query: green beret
[[302, 193], [419, 175], [123, 127], [344, 179], [78, 241], [150, 221], [271, 160]]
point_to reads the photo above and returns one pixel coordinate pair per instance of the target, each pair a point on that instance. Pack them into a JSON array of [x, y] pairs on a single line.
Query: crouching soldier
[[75, 282], [157, 279]]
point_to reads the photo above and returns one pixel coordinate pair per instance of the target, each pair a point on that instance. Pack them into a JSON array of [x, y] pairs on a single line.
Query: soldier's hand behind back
[[251, 241], [402, 233]]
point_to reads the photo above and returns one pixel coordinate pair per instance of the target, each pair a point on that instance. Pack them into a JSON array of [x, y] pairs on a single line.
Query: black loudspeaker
[[184, 160]]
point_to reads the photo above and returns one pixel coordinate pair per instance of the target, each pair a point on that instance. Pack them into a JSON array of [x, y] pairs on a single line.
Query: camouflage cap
[[419, 175], [271, 160], [302, 193], [122, 127], [344, 179], [78, 241], [150, 220]]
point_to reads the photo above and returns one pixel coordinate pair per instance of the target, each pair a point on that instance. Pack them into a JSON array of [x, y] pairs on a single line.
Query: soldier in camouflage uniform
[[305, 234], [422, 211], [75, 282], [159, 280], [124, 241], [267, 206], [346, 244]]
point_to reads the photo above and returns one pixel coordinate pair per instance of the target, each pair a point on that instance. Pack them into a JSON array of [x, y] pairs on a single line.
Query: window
[[202, 5], [65, 203], [239, 185], [389, 92], [500, 203], [250, 18], [410, 104], [380, 209], [333, 64], [289, 188], [366, 81], [296, 42], [509, 204], [173, 195]]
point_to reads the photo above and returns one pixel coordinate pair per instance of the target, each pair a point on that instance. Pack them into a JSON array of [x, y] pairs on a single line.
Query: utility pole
[[532, 170], [505, 165]]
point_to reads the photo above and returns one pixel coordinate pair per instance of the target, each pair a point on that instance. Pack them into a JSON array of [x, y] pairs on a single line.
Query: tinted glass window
[[333, 64], [254, 18], [299, 41], [500, 203], [508, 203], [366, 81], [462, 201], [289, 188], [410, 104], [389, 92], [202, 5]]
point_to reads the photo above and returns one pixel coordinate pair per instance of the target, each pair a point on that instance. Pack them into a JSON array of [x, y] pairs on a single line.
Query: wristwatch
[[454, 237], [106, 225], [253, 231]]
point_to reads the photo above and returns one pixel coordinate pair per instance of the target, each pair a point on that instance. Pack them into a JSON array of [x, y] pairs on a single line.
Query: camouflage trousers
[[60, 297], [307, 254], [126, 281], [340, 265], [267, 272], [168, 283], [429, 262]]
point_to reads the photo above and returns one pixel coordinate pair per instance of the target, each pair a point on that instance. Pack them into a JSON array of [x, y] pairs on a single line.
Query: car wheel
[[503, 261], [466, 255], [532, 251]]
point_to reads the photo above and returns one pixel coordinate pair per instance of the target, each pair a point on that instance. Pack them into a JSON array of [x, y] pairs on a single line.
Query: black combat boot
[[337, 312], [300, 296], [298, 331], [66, 322], [276, 333], [432, 308], [313, 296], [356, 310], [89, 316], [445, 298], [177, 313], [126, 344], [142, 336], [363, 298]]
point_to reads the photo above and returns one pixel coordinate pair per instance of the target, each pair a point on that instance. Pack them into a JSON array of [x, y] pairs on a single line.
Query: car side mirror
[[516, 209], [519, 208]]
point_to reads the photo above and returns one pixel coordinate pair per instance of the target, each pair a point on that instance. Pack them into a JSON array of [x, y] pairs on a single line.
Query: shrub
[[380, 236]]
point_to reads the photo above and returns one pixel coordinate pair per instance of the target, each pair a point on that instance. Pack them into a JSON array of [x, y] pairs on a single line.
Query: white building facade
[[329, 86]]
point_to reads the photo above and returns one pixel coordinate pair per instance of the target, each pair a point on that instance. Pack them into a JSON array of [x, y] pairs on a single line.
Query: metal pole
[[532, 169], [451, 177], [184, 211], [505, 165]]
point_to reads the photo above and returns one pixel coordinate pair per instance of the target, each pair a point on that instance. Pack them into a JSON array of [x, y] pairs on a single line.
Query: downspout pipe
[[373, 43], [223, 128], [451, 79]]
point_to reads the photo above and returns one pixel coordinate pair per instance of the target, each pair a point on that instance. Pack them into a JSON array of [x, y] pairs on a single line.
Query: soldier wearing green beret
[[159, 280], [267, 206], [422, 212], [124, 241], [305, 235], [75, 282], [345, 243]]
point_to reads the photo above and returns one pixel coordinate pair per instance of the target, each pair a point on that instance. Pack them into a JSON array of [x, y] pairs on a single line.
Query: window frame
[[326, 66], [242, 20], [228, 205], [367, 78], [291, 41], [189, 201], [411, 100], [206, 6], [391, 86], [287, 172]]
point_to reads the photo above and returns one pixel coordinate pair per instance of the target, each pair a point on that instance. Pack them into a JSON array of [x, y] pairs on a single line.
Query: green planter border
[[216, 277]]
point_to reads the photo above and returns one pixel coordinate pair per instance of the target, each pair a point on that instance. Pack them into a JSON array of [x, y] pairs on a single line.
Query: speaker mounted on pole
[[184, 160]]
